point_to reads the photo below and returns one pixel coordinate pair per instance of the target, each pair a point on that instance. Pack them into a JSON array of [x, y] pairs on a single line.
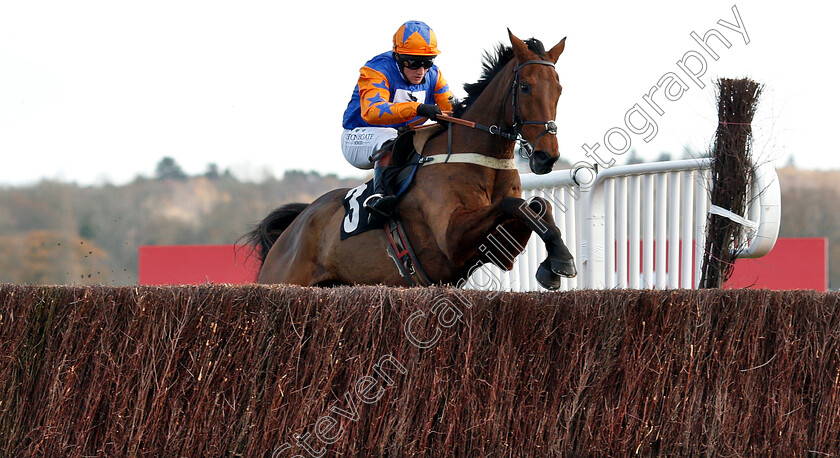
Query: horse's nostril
[[543, 158], [542, 162]]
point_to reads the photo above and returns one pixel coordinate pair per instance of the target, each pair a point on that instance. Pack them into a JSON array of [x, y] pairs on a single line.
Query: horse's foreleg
[[538, 217], [461, 236], [468, 229]]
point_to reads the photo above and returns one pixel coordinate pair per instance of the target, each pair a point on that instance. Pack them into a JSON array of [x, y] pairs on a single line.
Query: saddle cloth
[[355, 214], [398, 179], [397, 182]]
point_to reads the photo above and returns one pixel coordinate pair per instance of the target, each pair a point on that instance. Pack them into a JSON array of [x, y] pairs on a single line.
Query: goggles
[[414, 64]]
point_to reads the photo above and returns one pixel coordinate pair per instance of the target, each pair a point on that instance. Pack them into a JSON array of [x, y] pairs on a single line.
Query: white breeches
[[358, 144]]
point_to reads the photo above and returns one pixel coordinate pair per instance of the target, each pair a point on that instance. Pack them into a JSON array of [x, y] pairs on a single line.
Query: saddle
[[407, 148]]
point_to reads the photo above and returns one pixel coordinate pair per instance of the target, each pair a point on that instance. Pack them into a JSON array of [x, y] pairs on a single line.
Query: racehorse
[[452, 207]]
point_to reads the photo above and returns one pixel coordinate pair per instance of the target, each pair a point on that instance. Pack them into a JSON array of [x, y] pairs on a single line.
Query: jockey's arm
[[374, 96], [444, 98]]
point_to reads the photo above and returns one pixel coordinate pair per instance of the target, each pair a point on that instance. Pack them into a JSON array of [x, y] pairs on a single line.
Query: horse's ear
[[557, 50], [520, 49]]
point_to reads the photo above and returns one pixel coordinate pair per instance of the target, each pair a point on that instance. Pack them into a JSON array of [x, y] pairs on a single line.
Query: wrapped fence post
[[731, 172]]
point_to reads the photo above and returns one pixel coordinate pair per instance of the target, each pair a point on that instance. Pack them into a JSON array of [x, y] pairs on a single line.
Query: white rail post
[[687, 223], [674, 232], [611, 279], [576, 194], [634, 270], [620, 231], [661, 230], [593, 236], [648, 223]]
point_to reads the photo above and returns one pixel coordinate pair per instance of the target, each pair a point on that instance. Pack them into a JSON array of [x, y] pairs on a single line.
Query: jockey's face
[[414, 76], [415, 67]]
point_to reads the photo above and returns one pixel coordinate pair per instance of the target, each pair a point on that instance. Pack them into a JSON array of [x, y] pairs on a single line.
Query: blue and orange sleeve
[[444, 98], [374, 94]]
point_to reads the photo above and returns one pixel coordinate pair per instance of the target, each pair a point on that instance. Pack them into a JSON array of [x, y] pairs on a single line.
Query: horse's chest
[[491, 191], [505, 187]]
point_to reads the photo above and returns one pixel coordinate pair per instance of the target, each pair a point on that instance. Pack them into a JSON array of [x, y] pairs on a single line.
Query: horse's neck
[[488, 110]]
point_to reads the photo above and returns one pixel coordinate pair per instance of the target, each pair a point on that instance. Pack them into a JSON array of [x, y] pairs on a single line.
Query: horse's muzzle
[[541, 162]]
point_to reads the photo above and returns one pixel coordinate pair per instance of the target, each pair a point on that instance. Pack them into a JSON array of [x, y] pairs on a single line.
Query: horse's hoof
[[564, 268], [546, 278]]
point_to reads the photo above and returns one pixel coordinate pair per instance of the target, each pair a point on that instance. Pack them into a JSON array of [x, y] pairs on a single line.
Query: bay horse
[[451, 208]]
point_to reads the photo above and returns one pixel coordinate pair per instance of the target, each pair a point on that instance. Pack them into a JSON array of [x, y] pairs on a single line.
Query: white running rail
[[620, 225]]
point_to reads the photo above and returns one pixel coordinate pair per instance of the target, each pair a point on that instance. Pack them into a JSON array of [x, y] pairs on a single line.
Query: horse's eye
[[524, 88]]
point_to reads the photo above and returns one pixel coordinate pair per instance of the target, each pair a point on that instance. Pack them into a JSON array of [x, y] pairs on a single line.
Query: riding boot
[[380, 204]]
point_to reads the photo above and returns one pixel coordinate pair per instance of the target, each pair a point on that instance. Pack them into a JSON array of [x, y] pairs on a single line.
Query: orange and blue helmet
[[417, 39]]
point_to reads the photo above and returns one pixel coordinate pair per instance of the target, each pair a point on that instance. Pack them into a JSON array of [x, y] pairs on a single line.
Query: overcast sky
[[100, 91]]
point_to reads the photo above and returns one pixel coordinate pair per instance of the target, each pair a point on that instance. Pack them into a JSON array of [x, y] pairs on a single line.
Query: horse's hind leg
[[294, 274], [279, 269], [289, 262]]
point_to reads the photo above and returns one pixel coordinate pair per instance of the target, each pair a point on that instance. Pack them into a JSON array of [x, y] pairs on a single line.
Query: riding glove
[[428, 110]]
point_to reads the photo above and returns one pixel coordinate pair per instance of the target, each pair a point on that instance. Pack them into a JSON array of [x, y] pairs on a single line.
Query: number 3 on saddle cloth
[[398, 179]]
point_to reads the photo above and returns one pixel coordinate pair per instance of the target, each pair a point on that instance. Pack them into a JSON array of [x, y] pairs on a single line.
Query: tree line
[[63, 233]]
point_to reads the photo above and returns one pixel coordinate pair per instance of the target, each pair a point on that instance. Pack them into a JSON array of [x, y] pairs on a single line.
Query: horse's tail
[[264, 234]]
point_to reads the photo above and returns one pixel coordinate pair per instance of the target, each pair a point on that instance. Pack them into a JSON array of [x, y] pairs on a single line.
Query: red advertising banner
[[794, 263], [196, 265]]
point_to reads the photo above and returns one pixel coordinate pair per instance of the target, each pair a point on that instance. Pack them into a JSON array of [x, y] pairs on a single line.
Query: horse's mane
[[492, 64]]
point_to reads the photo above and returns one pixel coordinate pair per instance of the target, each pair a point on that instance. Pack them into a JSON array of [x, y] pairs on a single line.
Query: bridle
[[515, 133], [516, 118]]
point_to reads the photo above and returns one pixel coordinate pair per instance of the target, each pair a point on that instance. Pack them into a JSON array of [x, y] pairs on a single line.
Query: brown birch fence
[[258, 371]]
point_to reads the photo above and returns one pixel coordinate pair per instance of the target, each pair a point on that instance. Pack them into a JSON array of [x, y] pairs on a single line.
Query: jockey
[[394, 89]]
